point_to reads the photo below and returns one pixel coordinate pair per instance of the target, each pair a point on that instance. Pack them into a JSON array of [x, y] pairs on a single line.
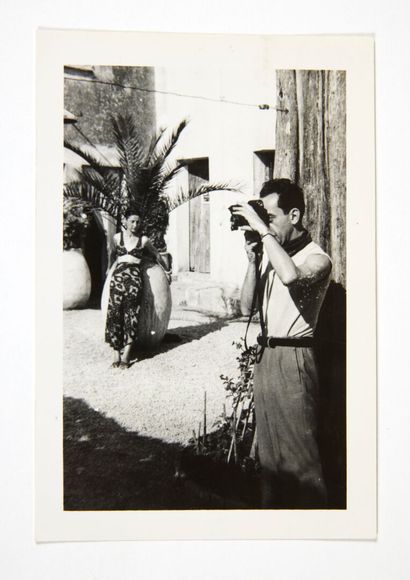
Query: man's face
[[279, 223]]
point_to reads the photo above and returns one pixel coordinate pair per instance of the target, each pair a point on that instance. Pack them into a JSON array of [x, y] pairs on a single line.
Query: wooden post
[[314, 131], [311, 150], [286, 154]]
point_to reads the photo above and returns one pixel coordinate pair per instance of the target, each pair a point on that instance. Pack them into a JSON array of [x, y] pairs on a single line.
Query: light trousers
[[286, 396]]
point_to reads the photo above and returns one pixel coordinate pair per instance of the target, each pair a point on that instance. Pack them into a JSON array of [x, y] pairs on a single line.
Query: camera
[[238, 221]]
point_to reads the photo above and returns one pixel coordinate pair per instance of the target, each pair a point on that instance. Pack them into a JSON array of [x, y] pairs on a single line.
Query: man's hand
[[255, 223], [251, 249]]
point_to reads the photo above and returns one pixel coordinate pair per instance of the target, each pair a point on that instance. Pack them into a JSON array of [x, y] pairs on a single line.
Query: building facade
[[229, 139]]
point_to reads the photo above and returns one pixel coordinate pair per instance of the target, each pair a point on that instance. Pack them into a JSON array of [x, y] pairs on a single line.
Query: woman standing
[[126, 287]]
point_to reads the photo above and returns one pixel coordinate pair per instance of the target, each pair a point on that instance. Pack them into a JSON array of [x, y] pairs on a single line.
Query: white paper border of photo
[[355, 54]]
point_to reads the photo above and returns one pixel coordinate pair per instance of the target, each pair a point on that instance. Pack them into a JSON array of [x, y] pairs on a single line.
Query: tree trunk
[[336, 167], [286, 154], [311, 150]]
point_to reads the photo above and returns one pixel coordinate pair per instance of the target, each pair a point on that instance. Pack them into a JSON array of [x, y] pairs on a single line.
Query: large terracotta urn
[[76, 279], [156, 304]]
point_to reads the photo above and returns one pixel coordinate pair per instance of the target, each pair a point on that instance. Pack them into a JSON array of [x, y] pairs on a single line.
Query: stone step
[[198, 291]]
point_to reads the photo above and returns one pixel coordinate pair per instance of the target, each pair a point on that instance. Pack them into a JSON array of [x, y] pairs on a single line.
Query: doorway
[[95, 252], [199, 210], [263, 166]]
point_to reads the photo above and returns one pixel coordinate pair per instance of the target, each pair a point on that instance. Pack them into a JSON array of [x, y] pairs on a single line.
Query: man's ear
[[294, 215]]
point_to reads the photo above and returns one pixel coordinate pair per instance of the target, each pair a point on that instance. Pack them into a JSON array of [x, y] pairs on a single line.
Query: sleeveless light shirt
[[293, 310]]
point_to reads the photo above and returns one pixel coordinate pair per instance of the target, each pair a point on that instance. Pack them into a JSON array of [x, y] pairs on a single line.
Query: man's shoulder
[[313, 248], [315, 260]]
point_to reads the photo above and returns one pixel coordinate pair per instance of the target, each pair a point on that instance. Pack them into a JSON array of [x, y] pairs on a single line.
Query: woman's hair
[[290, 195], [131, 211]]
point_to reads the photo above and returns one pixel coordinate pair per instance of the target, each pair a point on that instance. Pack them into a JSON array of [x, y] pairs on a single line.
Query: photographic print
[[202, 237]]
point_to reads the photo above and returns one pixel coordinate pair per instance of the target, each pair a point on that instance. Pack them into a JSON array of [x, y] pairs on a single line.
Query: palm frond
[[97, 200], [131, 153], [158, 173], [157, 180], [88, 157], [169, 173], [108, 184], [174, 200], [128, 141], [165, 146], [153, 145]]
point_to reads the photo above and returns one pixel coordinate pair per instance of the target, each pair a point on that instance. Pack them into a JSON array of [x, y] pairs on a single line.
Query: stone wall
[[95, 94]]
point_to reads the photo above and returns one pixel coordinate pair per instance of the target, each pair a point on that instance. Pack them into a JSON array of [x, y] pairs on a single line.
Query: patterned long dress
[[125, 300]]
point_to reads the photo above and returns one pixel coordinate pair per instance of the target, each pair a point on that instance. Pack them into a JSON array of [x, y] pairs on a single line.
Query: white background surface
[[20, 557]]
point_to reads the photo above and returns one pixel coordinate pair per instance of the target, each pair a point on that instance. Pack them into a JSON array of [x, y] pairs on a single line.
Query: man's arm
[[315, 268], [249, 284]]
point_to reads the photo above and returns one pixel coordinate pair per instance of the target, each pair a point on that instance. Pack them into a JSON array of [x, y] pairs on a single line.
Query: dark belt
[[272, 341]]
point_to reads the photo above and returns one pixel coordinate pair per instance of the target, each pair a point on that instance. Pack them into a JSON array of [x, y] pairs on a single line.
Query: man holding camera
[[290, 290]]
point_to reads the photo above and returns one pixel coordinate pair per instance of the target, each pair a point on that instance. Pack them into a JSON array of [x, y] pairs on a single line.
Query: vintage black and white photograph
[[204, 329], [204, 288]]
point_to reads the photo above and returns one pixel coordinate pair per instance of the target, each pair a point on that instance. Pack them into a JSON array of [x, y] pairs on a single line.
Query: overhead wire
[[93, 145], [263, 107]]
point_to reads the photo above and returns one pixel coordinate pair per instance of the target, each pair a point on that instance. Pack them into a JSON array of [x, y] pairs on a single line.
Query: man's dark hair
[[290, 195]]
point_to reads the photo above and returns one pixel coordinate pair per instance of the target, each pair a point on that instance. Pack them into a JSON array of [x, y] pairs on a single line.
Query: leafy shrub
[[76, 220], [233, 433]]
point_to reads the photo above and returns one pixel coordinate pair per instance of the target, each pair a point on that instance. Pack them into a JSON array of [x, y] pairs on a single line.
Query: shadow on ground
[[109, 468], [181, 335]]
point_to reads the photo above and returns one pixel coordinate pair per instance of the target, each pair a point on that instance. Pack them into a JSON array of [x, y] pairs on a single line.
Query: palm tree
[[144, 182]]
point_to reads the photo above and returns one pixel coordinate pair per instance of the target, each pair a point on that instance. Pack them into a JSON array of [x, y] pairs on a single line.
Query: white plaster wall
[[227, 134]]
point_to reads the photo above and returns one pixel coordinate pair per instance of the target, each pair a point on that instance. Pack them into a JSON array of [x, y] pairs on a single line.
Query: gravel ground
[[161, 395]]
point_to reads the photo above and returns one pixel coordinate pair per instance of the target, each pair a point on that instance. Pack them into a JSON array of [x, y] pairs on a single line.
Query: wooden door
[[199, 229]]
